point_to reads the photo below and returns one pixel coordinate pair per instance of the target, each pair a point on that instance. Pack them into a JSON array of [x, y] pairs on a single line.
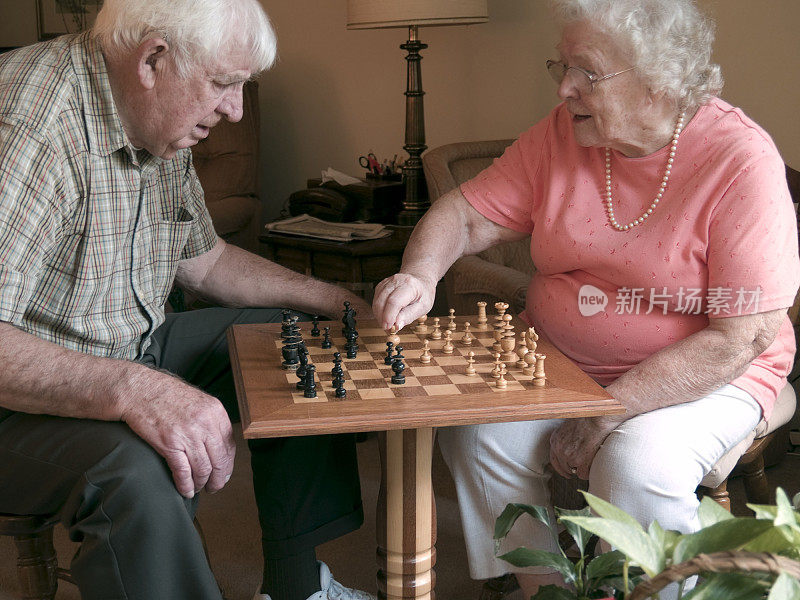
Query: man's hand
[[574, 444], [189, 428], [402, 298]]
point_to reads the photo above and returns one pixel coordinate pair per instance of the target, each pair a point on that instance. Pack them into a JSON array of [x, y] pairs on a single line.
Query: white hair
[[669, 42], [197, 31]]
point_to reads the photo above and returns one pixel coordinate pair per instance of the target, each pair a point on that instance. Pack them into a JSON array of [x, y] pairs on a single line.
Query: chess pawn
[[393, 337], [425, 357], [530, 360], [437, 331], [482, 320], [470, 370], [508, 340], [421, 328], [496, 370], [452, 324], [326, 339], [315, 323], [538, 374], [501, 379], [468, 337], [448, 342], [522, 350]]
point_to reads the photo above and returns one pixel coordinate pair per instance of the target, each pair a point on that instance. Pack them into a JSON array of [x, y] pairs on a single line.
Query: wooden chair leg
[[720, 495], [756, 485], [37, 565]]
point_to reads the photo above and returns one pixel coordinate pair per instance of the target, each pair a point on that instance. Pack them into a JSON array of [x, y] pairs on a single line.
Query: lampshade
[[373, 14]]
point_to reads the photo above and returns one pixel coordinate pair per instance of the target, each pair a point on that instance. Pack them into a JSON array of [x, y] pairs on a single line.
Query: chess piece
[[310, 390], [538, 374], [315, 328], [421, 328], [292, 341], [389, 350], [349, 319], [351, 346], [302, 354], [522, 350], [285, 324], [326, 338], [398, 366], [448, 342], [496, 370], [531, 339], [437, 331], [530, 362], [470, 370], [508, 340], [337, 372], [340, 392], [393, 337], [501, 380], [482, 320], [452, 324], [468, 337], [425, 357]]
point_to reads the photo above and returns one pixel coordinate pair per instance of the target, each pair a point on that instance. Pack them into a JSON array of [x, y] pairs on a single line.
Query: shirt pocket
[[170, 239]]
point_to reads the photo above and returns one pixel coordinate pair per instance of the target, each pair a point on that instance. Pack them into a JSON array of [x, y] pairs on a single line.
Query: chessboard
[[434, 394]]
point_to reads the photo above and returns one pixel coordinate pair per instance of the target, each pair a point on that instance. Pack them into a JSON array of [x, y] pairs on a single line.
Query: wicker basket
[[719, 562]]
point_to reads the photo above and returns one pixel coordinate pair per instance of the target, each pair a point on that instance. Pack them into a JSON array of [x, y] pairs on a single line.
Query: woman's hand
[[574, 444]]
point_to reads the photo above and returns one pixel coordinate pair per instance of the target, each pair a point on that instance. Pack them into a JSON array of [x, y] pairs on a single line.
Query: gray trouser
[[115, 494]]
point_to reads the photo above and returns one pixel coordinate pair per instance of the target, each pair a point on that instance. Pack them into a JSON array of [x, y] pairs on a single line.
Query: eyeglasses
[[583, 82]]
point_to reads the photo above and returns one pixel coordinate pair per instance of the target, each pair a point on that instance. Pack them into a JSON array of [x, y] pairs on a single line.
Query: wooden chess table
[[436, 394]]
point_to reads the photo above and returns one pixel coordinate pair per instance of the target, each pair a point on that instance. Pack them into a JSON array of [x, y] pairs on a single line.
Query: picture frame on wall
[[57, 17]]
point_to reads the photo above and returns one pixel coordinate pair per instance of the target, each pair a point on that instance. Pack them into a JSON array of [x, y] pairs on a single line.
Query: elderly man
[[112, 416]]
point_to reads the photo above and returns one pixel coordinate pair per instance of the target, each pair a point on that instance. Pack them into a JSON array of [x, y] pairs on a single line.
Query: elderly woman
[[653, 191]]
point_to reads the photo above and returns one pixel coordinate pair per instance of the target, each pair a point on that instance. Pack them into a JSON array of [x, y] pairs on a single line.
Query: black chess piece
[[291, 344], [349, 319], [337, 373], [285, 324], [315, 323], [310, 383], [302, 355], [389, 349], [352, 345], [326, 338], [341, 392], [398, 366]]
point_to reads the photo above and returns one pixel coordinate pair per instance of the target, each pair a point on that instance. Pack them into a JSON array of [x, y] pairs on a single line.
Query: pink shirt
[[722, 241]]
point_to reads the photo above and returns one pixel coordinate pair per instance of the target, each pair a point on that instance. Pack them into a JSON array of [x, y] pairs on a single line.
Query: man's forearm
[[40, 377], [239, 278]]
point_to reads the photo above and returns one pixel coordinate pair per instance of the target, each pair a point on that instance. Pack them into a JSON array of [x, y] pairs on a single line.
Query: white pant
[[649, 466]]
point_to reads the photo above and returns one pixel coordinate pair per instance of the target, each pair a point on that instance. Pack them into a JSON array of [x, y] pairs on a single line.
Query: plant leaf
[[629, 538], [786, 514], [609, 511], [512, 512], [578, 533], [553, 592], [725, 535], [727, 586], [664, 538], [527, 557], [785, 587], [779, 540], [711, 512], [608, 564]]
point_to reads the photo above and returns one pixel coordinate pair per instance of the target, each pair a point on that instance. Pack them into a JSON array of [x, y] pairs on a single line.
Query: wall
[[336, 94], [17, 23]]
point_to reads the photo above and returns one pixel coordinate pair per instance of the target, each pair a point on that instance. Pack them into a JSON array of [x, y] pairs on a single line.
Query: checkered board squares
[[367, 377]]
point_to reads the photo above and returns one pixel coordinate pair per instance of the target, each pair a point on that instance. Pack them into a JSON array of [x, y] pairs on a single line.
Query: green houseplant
[[738, 558]]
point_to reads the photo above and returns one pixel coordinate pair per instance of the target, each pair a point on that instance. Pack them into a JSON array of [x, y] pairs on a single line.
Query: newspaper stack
[[308, 226]]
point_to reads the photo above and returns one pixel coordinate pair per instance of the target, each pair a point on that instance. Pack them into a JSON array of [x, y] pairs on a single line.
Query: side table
[[357, 265]]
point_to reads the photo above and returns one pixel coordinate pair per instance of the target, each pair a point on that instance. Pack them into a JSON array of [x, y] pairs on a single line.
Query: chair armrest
[[474, 275]]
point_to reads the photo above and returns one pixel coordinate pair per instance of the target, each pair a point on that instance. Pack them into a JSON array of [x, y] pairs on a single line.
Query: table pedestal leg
[[406, 514]]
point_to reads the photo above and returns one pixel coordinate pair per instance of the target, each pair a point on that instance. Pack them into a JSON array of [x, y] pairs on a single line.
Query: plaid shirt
[[91, 230]]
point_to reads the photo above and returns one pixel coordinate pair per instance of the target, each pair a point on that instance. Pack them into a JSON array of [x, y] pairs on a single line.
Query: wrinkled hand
[[189, 428], [575, 443], [401, 298]]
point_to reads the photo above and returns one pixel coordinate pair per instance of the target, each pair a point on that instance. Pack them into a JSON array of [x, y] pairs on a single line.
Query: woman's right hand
[[402, 298]]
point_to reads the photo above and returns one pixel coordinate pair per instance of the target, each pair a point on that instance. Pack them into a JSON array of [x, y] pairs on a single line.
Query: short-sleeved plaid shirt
[[91, 230]]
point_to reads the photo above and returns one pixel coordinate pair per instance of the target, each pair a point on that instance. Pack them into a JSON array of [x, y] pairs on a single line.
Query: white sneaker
[[331, 589]]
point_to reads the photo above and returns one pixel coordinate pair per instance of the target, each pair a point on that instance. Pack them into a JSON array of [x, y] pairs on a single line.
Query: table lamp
[[375, 14]]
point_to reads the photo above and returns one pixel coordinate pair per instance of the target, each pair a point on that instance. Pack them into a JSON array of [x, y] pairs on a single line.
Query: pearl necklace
[[612, 220]]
